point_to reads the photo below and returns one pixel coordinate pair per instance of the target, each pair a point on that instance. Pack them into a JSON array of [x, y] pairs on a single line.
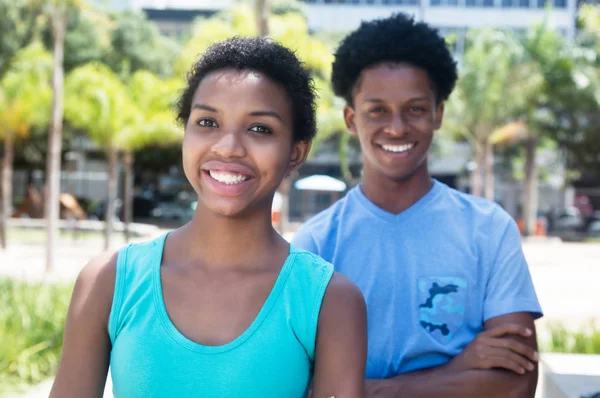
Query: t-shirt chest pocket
[[442, 305]]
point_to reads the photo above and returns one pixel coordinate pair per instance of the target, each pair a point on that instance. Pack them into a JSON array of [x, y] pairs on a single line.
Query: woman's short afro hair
[[264, 56], [397, 39]]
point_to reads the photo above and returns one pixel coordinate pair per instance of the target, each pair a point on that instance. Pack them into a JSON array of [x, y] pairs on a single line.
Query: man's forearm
[[444, 382]]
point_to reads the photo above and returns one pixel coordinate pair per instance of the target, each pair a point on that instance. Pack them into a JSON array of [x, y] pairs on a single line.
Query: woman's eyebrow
[[204, 107]]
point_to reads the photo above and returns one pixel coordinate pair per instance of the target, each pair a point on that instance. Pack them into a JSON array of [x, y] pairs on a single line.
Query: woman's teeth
[[227, 177], [398, 148]]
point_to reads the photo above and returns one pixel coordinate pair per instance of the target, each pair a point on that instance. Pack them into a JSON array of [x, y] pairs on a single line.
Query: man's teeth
[[398, 148], [228, 178]]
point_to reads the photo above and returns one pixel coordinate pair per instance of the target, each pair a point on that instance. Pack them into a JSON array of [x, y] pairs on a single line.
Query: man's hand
[[496, 348]]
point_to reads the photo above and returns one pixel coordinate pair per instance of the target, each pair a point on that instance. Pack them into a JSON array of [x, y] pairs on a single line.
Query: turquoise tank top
[[274, 357]]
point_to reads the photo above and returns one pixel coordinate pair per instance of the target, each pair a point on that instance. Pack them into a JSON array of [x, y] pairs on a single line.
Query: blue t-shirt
[[431, 275]]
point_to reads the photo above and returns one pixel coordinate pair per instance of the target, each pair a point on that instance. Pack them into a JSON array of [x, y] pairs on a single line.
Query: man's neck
[[395, 196]]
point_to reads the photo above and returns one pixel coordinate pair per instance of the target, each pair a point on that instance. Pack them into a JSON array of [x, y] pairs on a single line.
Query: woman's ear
[[300, 151], [439, 116]]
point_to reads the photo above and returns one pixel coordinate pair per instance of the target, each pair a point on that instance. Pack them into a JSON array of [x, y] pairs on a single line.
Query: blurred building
[[450, 16], [174, 18]]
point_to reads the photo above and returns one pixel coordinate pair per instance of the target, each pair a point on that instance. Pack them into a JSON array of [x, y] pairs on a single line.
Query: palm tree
[[153, 124], [24, 103], [481, 102], [540, 65], [121, 118], [98, 103]]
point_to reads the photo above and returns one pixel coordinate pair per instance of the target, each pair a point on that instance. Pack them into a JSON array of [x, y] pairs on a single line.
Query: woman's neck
[[219, 241]]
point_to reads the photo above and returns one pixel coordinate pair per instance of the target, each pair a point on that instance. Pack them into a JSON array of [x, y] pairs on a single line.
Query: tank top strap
[[133, 280], [305, 291]]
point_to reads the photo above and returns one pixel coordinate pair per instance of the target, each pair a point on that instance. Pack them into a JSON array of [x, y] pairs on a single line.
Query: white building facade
[[450, 16]]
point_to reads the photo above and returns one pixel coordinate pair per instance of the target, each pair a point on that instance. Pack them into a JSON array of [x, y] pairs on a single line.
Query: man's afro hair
[[261, 55], [397, 39]]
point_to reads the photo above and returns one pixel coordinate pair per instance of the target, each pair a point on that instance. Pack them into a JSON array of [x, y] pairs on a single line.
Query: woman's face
[[238, 142]]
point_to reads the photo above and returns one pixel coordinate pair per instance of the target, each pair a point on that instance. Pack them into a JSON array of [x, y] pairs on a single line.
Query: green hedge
[[32, 318], [584, 341]]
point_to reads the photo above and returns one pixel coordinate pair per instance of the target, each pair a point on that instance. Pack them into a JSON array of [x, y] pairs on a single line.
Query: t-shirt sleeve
[[303, 239], [510, 287]]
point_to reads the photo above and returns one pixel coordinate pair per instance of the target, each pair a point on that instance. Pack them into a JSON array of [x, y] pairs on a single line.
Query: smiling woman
[[224, 306]]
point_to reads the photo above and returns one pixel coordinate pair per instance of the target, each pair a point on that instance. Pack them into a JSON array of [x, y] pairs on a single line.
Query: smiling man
[[450, 299]]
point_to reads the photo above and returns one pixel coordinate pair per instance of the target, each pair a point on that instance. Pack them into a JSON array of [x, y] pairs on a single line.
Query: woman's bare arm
[[86, 349], [341, 348]]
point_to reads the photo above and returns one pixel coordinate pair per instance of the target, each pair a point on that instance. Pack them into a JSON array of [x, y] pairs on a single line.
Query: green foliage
[[26, 94], [572, 101], [153, 121], [290, 29], [18, 24], [86, 37], [125, 116], [480, 102], [136, 44], [96, 101], [585, 341], [32, 318]]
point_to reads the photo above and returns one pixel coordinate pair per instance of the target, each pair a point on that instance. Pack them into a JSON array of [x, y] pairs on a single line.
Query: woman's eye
[[260, 129], [207, 123]]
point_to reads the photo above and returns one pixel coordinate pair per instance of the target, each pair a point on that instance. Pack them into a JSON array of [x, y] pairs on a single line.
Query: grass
[[32, 318], [585, 341]]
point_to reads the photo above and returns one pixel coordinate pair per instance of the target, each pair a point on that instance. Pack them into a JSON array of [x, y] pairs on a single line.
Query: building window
[[355, 2], [515, 3], [445, 3]]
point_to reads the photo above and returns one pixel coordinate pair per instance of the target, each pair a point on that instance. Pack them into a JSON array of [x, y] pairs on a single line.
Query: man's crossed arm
[[500, 362]]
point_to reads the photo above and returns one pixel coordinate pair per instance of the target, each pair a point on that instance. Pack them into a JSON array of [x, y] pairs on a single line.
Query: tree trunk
[[530, 189], [7, 176], [489, 170], [112, 155], [128, 167], [262, 17], [477, 174], [53, 163]]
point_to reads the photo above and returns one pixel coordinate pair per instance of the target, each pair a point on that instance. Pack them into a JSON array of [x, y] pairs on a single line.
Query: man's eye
[[207, 123], [260, 129], [418, 109], [377, 110]]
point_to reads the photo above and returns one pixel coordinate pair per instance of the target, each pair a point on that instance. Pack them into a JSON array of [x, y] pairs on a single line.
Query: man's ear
[[439, 116], [300, 151], [349, 114]]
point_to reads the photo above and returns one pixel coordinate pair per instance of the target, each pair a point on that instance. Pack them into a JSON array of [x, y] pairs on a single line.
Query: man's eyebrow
[[266, 113], [373, 100], [379, 100]]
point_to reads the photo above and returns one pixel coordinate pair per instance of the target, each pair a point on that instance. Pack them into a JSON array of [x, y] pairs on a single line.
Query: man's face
[[394, 114]]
